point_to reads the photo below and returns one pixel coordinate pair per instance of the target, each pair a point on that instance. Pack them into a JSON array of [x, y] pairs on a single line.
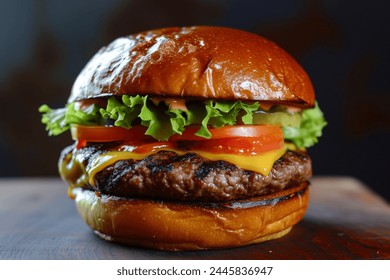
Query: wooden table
[[345, 220]]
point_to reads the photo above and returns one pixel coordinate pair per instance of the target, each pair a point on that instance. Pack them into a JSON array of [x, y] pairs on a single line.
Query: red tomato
[[108, 133], [247, 145], [240, 139], [137, 133]]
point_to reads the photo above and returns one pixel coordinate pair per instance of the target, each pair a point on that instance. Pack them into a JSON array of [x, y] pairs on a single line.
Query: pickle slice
[[277, 118]]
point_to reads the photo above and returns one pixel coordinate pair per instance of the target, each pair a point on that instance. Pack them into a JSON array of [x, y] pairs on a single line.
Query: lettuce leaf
[[163, 122], [122, 113], [221, 113], [178, 120], [87, 116], [58, 121], [156, 120], [310, 129], [54, 119]]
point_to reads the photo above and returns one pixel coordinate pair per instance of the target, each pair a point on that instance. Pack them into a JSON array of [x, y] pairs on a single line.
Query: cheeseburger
[[189, 138]]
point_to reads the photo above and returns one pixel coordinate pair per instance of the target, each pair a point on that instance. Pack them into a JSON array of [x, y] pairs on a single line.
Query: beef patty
[[190, 177]]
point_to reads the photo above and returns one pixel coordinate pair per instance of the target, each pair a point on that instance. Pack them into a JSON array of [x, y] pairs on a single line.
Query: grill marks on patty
[[190, 177], [205, 168]]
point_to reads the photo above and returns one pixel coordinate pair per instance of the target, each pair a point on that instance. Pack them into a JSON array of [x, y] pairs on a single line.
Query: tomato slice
[[246, 146], [240, 139], [137, 133], [109, 133]]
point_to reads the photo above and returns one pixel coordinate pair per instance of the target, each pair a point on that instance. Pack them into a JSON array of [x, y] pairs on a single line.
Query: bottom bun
[[192, 226]]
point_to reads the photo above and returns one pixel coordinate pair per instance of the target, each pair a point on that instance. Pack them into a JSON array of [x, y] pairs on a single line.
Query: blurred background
[[343, 45]]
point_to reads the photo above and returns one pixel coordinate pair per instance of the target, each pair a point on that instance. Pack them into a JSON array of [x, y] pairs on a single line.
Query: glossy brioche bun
[[195, 62], [197, 226]]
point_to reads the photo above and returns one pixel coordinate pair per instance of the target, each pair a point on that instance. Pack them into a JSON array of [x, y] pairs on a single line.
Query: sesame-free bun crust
[[196, 226], [195, 62]]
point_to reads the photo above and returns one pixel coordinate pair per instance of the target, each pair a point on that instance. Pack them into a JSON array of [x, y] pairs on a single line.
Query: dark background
[[343, 45]]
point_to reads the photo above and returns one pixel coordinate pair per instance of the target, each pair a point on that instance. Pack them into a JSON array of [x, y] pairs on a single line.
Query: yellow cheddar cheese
[[258, 163]]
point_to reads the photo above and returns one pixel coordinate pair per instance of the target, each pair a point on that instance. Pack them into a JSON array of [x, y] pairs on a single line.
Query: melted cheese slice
[[258, 163]]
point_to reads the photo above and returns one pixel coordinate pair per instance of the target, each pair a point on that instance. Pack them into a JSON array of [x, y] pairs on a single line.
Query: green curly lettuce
[[58, 121], [307, 134], [54, 119], [162, 121], [221, 113]]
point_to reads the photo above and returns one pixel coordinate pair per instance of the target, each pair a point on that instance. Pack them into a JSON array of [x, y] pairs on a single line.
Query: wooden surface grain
[[345, 220]]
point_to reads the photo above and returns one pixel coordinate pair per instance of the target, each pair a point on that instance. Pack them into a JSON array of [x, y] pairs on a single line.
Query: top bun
[[195, 62]]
